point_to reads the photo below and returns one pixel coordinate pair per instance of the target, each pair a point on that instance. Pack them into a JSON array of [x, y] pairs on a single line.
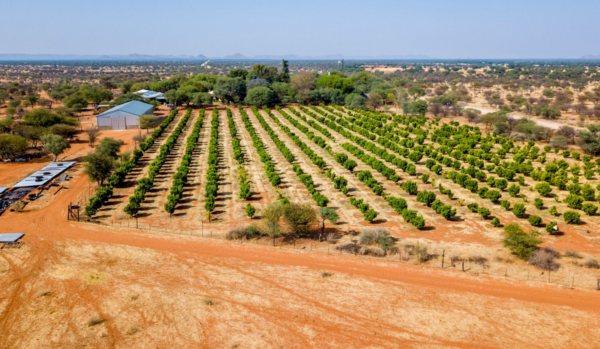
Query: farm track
[[225, 210], [164, 179], [290, 184], [262, 190], [191, 207], [114, 208]]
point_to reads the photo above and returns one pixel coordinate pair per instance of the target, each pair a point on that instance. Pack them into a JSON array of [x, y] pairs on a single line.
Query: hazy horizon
[[463, 29]]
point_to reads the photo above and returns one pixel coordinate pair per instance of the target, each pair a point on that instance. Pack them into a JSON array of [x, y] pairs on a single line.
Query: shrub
[[376, 236], [426, 197], [350, 165], [410, 187], [505, 204], [538, 203], [550, 228], [341, 158], [425, 178], [473, 207], [520, 243], [545, 258], [370, 215], [536, 221], [418, 222], [571, 217], [543, 188], [483, 212], [495, 222], [236, 233], [589, 208], [588, 193], [519, 210], [514, 190], [501, 183], [591, 263], [493, 195], [250, 211], [553, 211], [574, 201], [350, 248], [301, 218]]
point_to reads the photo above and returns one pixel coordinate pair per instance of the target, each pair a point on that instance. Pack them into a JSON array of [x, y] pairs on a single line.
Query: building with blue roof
[[124, 116]]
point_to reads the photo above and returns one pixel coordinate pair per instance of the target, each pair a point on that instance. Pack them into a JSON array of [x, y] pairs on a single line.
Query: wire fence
[[404, 253]]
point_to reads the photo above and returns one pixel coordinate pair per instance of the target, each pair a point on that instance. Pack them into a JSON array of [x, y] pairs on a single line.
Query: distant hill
[[591, 57], [338, 57], [235, 56], [69, 57]]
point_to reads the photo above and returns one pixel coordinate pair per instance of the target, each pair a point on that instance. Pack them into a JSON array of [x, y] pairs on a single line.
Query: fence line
[[474, 268]]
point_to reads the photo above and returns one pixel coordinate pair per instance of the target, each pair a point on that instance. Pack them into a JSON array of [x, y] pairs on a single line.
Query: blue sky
[[441, 29]]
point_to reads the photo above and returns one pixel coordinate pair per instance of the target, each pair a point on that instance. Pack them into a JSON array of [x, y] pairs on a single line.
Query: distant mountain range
[[146, 57], [590, 57], [131, 57]]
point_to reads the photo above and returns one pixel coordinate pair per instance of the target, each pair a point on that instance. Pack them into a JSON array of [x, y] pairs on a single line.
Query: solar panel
[[10, 237], [44, 175]]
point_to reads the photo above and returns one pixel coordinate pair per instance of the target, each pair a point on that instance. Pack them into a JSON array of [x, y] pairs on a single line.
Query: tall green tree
[[284, 74], [12, 146], [54, 144]]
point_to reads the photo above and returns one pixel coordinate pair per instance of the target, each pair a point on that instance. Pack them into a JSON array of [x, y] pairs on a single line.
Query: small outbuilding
[[124, 116]]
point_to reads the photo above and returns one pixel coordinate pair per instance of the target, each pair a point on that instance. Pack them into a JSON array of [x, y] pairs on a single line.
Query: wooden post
[[597, 284], [463, 265], [443, 254]]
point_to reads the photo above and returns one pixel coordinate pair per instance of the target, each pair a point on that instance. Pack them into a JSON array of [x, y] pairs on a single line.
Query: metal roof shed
[[124, 116]]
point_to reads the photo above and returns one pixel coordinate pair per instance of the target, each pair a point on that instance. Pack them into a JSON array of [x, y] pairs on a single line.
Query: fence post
[[597, 284], [443, 254], [463, 265]]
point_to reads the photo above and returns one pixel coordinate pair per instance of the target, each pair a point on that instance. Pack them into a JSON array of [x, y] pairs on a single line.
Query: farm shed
[[124, 116]]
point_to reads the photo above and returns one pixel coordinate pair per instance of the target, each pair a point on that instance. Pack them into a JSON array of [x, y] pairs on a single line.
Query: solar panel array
[[44, 175]]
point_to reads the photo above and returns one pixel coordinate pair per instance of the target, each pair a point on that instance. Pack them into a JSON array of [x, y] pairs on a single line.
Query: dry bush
[[350, 248], [326, 274], [236, 233], [572, 254], [209, 302], [409, 249], [478, 260], [372, 236], [422, 253], [455, 259], [545, 258], [591, 263], [394, 250], [372, 251], [366, 237], [332, 238], [95, 320]]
